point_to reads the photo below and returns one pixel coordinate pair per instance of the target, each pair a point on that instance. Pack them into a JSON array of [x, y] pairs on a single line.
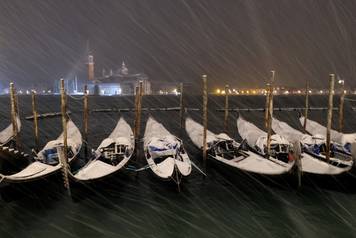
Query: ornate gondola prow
[[12, 159]]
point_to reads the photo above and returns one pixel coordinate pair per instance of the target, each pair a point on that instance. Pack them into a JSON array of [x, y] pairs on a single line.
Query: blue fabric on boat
[[167, 146], [347, 147], [316, 149], [51, 156]]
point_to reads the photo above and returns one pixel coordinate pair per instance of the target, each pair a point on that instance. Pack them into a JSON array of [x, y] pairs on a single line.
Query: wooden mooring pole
[[64, 150], [18, 137], [137, 93], [330, 115], [14, 111], [341, 106], [181, 107], [65, 168], [35, 119], [205, 118], [270, 114], [267, 104], [85, 121], [306, 109], [226, 109], [297, 154], [138, 109]]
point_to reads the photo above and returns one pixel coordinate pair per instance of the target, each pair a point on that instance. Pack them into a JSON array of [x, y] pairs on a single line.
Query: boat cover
[[195, 132], [315, 128], [293, 135], [255, 137], [159, 141]]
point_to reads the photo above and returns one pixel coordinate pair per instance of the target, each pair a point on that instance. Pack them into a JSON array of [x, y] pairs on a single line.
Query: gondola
[[313, 159], [227, 152], [280, 148], [164, 152], [47, 161], [112, 155]]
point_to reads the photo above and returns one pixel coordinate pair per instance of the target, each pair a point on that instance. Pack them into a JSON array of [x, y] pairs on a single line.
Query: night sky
[[234, 42]]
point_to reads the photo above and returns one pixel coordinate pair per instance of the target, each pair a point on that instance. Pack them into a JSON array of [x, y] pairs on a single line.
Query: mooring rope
[[350, 99], [76, 98], [195, 166], [132, 168]]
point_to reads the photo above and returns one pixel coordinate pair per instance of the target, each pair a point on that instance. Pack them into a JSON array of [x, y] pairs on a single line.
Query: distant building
[[70, 85], [120, 82]]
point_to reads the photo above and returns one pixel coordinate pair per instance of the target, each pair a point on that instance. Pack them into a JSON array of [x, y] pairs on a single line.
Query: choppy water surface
[[224, 204]]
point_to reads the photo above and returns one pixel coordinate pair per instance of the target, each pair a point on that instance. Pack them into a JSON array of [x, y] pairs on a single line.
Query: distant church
[[119, 82]]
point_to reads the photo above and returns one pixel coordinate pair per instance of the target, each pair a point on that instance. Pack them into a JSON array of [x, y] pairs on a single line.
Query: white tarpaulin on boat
[[159, 140], [122, 134], [74, 139], [256, 137], [293, 135], [315, 128], [195, 132], [286, 131]]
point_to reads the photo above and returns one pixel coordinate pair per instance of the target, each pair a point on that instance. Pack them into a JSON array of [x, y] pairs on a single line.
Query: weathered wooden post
[[35, 119], [137, 93], [14, 110], [267, 104], [341, 106], [306, 109], [181, 107], [64, 116], [18, 137], [330, 115], [297, 154], [270, 114], [205, 118], [138, 108], [226, 109], [63, 150], [65, 168], [85, 121]]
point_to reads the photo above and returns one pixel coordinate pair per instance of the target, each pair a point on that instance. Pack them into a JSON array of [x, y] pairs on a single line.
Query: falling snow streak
[[234, 42]]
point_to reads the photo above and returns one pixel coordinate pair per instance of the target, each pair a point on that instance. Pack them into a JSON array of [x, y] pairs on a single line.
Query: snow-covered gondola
[[313, 158], [280, 148], [165, 153], [315, 129], [226, 151], [113, 154], [47, 162]]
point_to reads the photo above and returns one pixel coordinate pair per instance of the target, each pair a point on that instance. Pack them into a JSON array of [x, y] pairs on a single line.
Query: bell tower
[[90, 67]]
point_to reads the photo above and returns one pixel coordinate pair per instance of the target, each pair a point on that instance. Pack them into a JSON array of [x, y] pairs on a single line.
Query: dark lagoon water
[[224, 204]]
